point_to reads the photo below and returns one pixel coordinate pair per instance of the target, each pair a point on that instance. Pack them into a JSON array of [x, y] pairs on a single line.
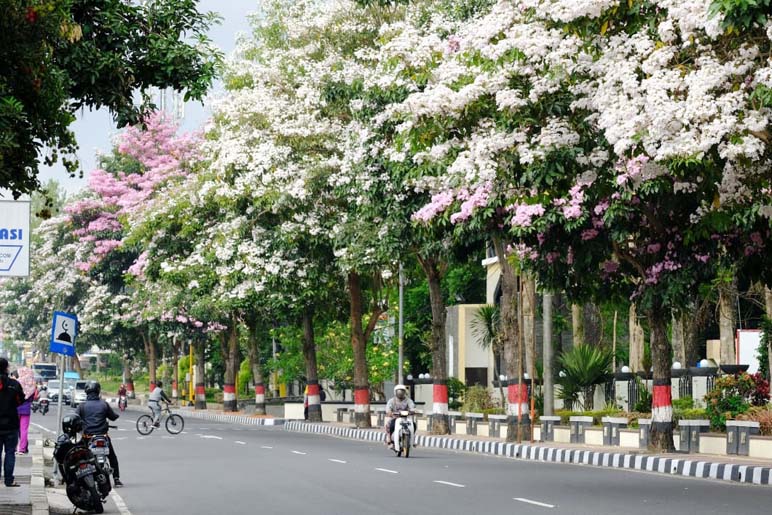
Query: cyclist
[[95, 414], [154, 402]]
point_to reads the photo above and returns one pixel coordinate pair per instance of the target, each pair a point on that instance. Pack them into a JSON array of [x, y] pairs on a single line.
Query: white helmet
[[399, 387]]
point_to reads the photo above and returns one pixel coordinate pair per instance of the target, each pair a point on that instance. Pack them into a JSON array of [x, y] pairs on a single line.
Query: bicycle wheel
[[145, 425], [175, 424]]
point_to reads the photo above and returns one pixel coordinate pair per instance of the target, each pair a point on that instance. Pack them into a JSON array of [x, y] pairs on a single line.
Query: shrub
[[690, 414], [456, 391], [762, 415], [644, 398], [477, 399], [733, 395], [583, 367], [683, 403]]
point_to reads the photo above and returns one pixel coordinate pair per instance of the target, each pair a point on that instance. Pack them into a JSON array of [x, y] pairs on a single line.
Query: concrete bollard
[[578, 425], [738, 433], [472, 419], [644, 429], [495, 422], [453, 416], [690, 431], [548, 424], [611, 427]]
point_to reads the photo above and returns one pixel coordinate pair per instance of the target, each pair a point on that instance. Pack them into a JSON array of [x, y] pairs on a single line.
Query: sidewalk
[[30, 497], [237, 418]]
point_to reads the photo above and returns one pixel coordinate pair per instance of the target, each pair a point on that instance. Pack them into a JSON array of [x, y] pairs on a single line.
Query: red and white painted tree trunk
[[362, 406], [229, 397], [260, 399], [517, 401], [200, 375], [661, 436]]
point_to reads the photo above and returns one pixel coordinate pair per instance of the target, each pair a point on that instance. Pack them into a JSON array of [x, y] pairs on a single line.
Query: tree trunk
[[509, 334], [230, 349], [440, 422], [577, 324], [257, 368], [592, 324], [637, 337], [150, 352], [128, 379], [75, 364], [312, 377], [661, 437], [175, 368], [549, 389], [727, 299], [200, 350], [768, 304], [679, 323], [359, 344]]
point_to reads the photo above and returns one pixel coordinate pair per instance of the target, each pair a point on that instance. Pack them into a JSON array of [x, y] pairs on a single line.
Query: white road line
[[118, 438], [166, 437], [43, 428], [535, 503], [298, 452], [387, 470], [337, 461], [450, 484], [265, 447], [211, 437], [240, 442], [120, 504]]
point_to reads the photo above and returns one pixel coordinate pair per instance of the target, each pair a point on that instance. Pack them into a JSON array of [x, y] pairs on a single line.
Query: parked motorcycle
[[87, 482], [99, 445], [122, 402], [403, 434]]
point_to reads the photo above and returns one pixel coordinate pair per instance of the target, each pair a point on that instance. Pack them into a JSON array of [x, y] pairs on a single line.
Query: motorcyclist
[[43, 393], [154, 402], [400, 402], [95, 414], [122, 391]]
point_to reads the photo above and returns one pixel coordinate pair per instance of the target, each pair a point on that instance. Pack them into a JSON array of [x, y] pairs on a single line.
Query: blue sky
[[95, 130]]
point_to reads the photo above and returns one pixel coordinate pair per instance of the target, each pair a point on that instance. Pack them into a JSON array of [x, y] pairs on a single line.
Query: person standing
[[26, 379], [24, 411], [11, 397]]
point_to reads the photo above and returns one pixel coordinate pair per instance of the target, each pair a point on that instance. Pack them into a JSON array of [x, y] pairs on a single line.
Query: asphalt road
[[215, 468]]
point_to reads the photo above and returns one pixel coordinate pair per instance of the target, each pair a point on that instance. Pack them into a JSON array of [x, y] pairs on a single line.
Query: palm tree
[[583, 367], [485, 329]]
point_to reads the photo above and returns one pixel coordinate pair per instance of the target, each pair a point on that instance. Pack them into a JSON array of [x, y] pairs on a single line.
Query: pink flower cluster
[[572, 207], [439, 203], [631, 169], [525, 213], [654, 272], [138, 268], [477, 199]]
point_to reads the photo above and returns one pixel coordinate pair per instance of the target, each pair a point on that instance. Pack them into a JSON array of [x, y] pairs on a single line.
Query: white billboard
[[14, 238]]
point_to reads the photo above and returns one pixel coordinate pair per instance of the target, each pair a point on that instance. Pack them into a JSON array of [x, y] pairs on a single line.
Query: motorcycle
[[122, 402], [43, 406], [403, 436], [99, 445], [87, 482], [35, 406]]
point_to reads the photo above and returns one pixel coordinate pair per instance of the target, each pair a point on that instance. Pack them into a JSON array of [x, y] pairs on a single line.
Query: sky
[[95, 130]]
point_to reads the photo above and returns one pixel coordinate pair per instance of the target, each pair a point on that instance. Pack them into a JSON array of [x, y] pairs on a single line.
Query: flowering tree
[[619, 152]]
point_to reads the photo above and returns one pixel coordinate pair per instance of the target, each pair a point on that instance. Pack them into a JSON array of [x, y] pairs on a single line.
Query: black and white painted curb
[[662, 464], [233, 419]]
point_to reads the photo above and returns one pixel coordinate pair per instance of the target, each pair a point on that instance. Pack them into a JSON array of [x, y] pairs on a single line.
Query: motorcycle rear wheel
[[96, 499], [405, 445]]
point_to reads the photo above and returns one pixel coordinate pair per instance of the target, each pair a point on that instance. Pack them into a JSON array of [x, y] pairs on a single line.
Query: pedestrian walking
[[11, 397], [27, 382]]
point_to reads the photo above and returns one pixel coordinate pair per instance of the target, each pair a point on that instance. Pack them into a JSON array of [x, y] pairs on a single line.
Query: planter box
[[712, 443], [472, 419], [611, 427], [593, 436], [497, 426], [690, 431], [578, 427], [760, 447], [548, 424], [628, 438]]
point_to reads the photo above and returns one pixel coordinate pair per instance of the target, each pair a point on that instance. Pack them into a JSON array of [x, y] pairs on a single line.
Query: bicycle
[[174, 422]]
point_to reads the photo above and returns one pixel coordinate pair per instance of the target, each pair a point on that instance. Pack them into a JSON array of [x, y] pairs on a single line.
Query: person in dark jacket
[[96, 415], [11, 397]]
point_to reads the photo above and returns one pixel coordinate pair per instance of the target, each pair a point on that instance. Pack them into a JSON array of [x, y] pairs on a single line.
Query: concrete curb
[[237, 419], [37, 491], [684, 467]]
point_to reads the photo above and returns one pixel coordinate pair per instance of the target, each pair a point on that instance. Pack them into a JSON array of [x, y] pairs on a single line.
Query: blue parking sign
[[63, 332]]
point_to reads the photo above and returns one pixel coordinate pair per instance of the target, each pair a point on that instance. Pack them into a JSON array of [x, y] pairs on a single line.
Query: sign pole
[[59, 402]]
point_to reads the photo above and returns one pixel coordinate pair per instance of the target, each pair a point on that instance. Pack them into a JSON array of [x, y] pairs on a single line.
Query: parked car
[[79, 393], [54, 389]]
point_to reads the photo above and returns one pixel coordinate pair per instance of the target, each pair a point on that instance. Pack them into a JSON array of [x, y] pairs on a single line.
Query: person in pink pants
[[24, 415]]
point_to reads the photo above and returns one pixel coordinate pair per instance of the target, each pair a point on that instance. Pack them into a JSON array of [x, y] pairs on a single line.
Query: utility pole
[[401, 341]]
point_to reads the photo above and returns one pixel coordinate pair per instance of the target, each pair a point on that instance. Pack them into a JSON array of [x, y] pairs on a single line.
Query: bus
[[45, 371]]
